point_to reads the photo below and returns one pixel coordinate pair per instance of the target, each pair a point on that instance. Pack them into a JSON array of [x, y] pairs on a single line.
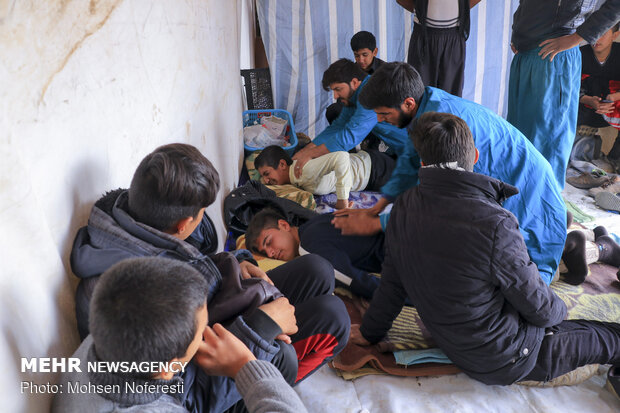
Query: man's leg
[[543, 99], [381, 169], [303, 278], [576, 343]]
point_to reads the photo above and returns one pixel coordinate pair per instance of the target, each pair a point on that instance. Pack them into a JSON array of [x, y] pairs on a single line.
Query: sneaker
[[608, 201], [613, 380], [587, 180]]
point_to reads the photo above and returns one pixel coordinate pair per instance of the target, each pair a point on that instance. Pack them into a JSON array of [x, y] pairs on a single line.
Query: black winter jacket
[[460, 258]]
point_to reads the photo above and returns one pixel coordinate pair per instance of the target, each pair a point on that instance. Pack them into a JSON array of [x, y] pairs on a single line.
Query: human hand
[[221, 353], [613, 96], [249, 270], [605, 108], [302, 157], [552, 47], [343, 204], [513, 48], [357, 222], [356, 336], [283, 313]]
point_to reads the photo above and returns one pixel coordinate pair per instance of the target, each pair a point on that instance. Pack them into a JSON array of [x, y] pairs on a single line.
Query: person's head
[[171, 189], [273, 165], [270, 234], [343, 77], [393, 92], [603, 44], [364, 46], [148, 310], [442, 138]]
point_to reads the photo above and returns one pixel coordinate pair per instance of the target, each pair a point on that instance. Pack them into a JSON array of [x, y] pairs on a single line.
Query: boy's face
[[342, 92], [278, 243], [277, 176], [364, 57], [605, 41], [201, 321]]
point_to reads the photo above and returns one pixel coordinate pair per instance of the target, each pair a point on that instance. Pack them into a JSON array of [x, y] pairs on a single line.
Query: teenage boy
[[461, 260], [354, 123], [397, 95], [364, 46], [543, 91], [353, 258], [600, 87], [339, 172], [163, 214], [154, 310]]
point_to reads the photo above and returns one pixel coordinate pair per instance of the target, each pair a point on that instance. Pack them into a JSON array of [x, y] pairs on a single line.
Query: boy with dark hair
[[171, 189], [354, 123], [153, 310], [599, 101], [339, 172], [353, 258], [397, 95], [497, 321], [543, 94], [364, 46]]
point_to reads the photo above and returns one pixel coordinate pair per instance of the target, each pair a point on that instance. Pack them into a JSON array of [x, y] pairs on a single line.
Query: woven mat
[[598, 298]]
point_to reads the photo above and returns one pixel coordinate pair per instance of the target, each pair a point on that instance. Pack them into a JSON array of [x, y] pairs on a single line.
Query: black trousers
[[381, 169], [439, 57], [575, 343]]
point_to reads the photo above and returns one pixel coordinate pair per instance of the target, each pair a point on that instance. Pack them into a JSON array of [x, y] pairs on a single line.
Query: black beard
[[403, 119]]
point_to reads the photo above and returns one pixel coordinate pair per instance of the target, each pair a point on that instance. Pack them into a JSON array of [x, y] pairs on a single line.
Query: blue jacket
[[507, 155], [354, 123], [459, 256], [538, 20]]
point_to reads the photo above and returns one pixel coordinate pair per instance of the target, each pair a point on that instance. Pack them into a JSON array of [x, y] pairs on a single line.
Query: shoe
[[610, 186], [613, 380], [608, 201], [587, 180]]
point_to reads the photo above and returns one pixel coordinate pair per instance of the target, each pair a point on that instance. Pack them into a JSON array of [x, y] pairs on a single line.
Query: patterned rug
[[598, 298]]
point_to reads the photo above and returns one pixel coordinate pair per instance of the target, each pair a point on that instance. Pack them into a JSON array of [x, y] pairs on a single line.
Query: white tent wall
[[87, 89]]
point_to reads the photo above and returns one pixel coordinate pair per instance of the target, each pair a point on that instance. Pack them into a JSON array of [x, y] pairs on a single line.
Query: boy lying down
[[339, 172]]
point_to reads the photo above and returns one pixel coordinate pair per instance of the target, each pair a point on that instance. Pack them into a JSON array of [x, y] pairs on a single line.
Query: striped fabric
[[303, 37]]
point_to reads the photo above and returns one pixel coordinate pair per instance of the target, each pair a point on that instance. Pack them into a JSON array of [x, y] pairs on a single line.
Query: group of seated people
[[475, 207]]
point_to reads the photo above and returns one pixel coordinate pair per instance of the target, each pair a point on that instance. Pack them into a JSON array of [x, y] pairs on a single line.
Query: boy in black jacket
[[460, 258]]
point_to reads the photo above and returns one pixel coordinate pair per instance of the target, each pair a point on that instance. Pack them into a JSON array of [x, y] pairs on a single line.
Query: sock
[[574, 257], [599, 231], [609, 250], [569, 219]]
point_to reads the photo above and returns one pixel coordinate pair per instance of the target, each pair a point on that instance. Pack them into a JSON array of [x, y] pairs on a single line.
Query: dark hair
[[144, 309], [342, 71], [270, 156], [173, 182], [264, 219], [615, 27], [390, 85], [443, 137], [363, 40]]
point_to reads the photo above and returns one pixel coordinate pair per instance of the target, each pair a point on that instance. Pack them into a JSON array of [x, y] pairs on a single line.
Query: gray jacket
[[260, 383], [538, 20]]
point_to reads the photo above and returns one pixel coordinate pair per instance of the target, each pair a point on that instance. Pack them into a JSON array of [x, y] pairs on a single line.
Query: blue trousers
[[543, 101]]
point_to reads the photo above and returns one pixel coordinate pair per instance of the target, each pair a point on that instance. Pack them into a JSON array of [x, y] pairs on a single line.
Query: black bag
[[237, 296]]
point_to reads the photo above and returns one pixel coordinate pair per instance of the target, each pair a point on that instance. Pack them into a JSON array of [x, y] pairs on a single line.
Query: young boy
[[163, 214], [364, 46], [339, 172], [459, 257], [543, 91], [354, 123], [600, 87], [153, 310], [353, 258]]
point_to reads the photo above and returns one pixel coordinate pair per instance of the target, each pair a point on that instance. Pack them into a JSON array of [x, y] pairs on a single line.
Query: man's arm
[[519, 280], [407, 4], [404, 175], [472, 3]]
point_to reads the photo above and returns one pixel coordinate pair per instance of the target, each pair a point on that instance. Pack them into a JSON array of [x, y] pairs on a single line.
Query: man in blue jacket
[[459, 256], [396, 93], [346, 79]]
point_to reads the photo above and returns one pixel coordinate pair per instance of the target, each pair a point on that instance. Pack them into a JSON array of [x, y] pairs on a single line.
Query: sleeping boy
[[339, 172]]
